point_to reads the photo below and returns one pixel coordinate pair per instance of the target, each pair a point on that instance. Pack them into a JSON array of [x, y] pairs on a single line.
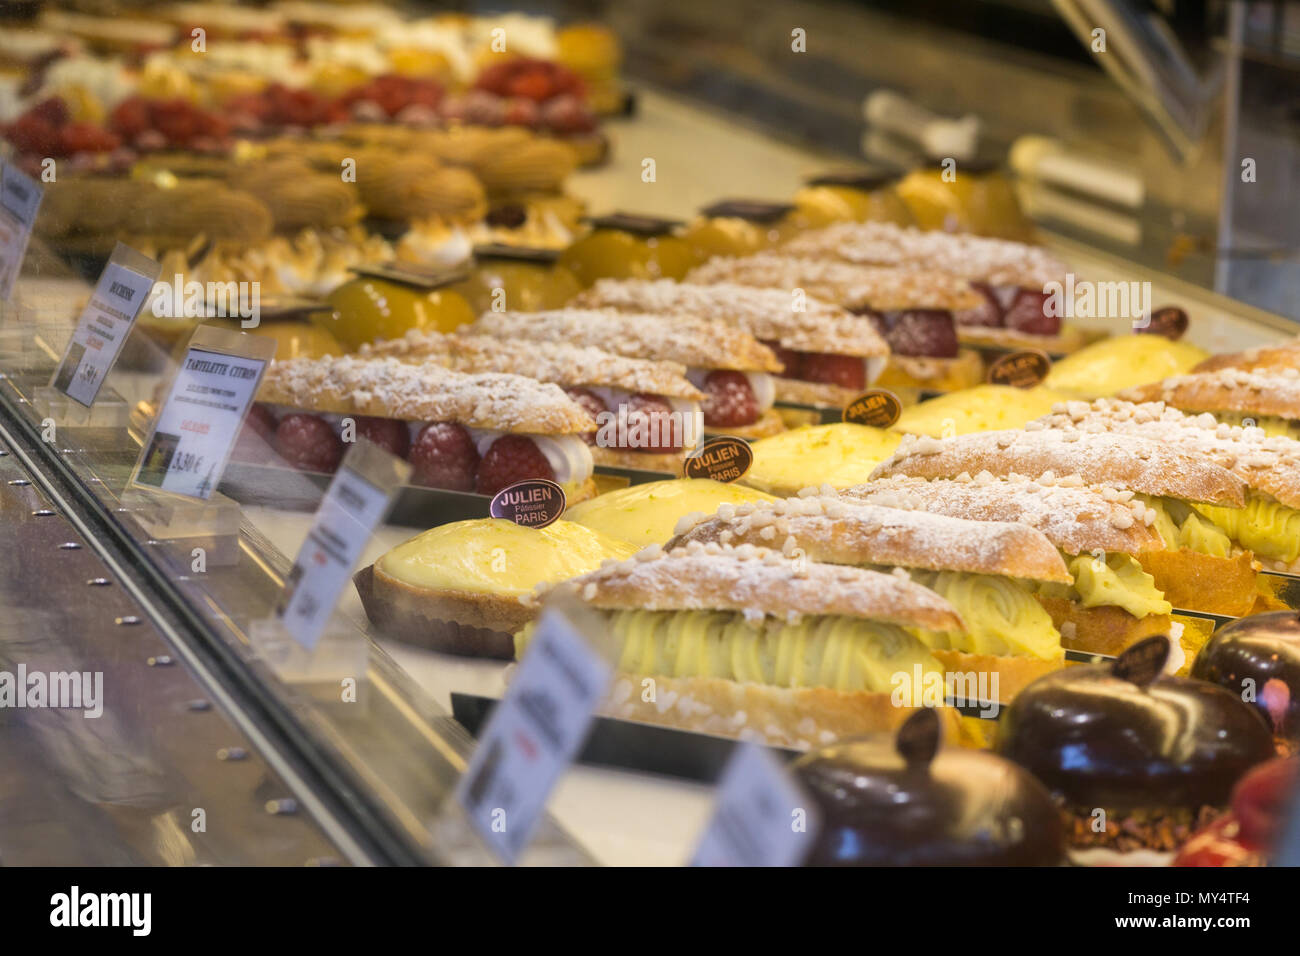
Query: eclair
[[745, 642], [912, 309], [1177, 493], [734, 370], [1112, 602], [1011, 277], [1260, 358], [830, 355], [1269, 524], [462, 432], [1269, 398], [647, 414], [986, 570]]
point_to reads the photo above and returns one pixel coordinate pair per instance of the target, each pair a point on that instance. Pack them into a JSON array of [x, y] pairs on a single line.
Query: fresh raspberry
[[567, 114], [650, 420], [522, 112], [443, 456], [511, 458], [787, 357], [261, 420], [988, 313], [53, 110], [308, 442], [928, 332], [729, 400], [35, 135], [1028, 314], [87, 138], [846, 371], [593, 405], [388, 433], [1261, 798]]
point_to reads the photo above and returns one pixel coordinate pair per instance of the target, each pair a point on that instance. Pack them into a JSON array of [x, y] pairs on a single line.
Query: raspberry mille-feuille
[[1268, 397], [1013, 278], [734, 370], [830, 355], [647, 413], [912, 309], [746, 642], [1112, 602], [987, 571], [1269, 524], [1174, 493], [462, 432]]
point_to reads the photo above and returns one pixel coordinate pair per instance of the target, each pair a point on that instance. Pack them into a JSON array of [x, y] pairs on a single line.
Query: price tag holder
[[761, 816], [20, 200], [209, 395], [536, 730], [105, 322], [356, 502]]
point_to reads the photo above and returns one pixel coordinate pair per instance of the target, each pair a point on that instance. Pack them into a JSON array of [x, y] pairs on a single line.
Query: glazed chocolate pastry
[[1258, 658], [1158, 754], [904, 801]]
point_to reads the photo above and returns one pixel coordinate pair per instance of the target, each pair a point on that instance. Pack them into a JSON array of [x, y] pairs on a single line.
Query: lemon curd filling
[[647, 513], [839, 454], [496, 556], [1265, 526], [1118, 581], [840, 653], [978, 409], [1180, 527], [1000, 614]]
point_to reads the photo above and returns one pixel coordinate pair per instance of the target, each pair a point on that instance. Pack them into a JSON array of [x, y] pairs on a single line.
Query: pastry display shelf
[[399, 757]]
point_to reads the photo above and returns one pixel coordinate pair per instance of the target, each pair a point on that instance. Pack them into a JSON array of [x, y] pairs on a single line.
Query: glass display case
[[299, 370]]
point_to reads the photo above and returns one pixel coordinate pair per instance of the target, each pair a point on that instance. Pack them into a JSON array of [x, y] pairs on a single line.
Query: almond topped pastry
[[1102, 533], [829, 354], [912, 309], [647, 414], [985, 569], [731, 367], [746, 642], [1010, 276], [462, 432], [1269, 524], [1194, 503]]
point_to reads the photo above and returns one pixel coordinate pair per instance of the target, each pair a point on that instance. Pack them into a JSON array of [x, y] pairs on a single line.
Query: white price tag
[[204, 409], [761, 817], [533, 735], [105, 322], [355, 503], [20, 198]]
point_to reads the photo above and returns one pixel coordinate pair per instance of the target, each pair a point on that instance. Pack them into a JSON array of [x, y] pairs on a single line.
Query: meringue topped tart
[[460, 587], [983, 408], [1112, 365], [840, 455], [647, 513]]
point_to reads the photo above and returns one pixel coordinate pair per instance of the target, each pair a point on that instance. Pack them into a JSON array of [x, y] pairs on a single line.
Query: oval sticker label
[[1143, 662], [1023, 369], [877, 407], [533, 502], [725, 458], [1169, 321]]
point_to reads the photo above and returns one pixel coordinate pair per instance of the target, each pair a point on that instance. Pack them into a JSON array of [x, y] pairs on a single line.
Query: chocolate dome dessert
[[904, 801], [1135, 758], [1258, 658]]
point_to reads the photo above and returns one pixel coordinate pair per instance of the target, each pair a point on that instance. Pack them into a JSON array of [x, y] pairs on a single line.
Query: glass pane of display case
[[722, 426]]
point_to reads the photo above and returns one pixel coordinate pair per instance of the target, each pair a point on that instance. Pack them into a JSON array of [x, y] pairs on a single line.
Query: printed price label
[[20, 199], [105, 322], [534, 734], [204, 409], [357, 500], [761, 817]]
